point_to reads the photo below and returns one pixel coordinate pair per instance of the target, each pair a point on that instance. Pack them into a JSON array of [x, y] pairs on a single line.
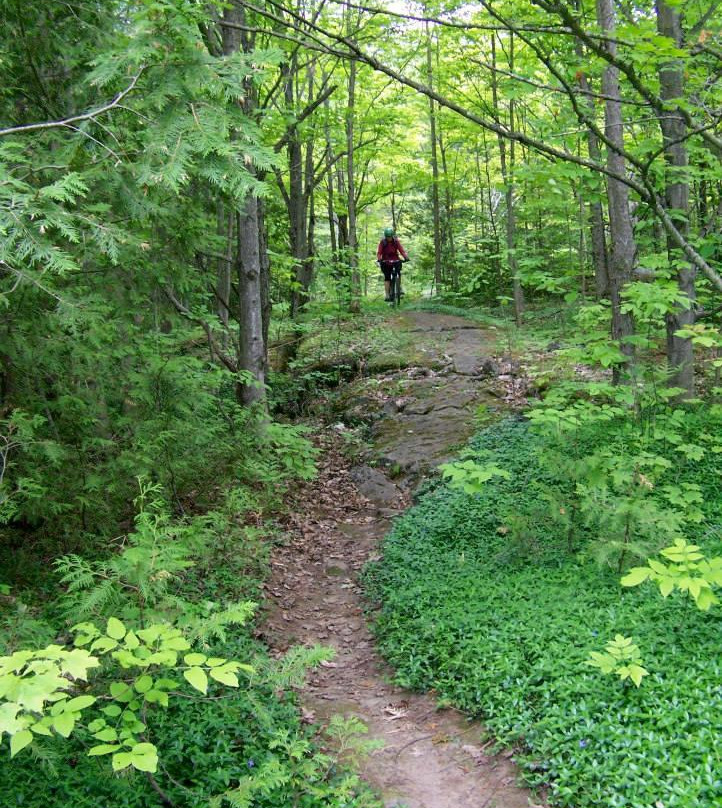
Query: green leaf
[[157, 697], [115, 628], [637, 673], [112, 710], [107, 734], [131, 641], [64, 723], [144, 684], [224, 675], [194, 659], [77, 662], [121, 760], [103, 749], [144, 757], [197, 678], [19, 741], [79, 703], [103, 644], [705, 599], [666, 585], [120, 691], [8, 718], [175, 644], [636, 576]]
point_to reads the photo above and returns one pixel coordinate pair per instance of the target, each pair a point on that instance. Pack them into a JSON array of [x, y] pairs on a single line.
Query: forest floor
[[414, 419]]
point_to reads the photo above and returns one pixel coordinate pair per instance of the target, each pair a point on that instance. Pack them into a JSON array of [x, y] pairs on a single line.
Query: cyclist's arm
[[378, 252], [402, 250]]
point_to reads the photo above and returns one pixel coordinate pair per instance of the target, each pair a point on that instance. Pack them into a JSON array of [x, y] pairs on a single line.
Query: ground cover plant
[[487, 600], [159, 695]]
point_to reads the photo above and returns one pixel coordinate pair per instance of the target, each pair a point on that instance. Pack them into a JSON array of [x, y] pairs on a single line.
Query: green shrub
[[502, 628]]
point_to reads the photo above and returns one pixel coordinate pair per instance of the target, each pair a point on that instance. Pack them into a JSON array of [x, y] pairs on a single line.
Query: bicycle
[[395, 282]]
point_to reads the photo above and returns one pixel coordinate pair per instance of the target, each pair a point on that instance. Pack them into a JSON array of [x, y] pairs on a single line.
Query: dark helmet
[[389, 232]]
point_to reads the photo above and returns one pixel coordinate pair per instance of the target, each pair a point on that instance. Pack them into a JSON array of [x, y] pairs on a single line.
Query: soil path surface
[[431, 757]]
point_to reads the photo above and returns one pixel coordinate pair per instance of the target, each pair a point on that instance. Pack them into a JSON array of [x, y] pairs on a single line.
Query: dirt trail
[[431, 758]]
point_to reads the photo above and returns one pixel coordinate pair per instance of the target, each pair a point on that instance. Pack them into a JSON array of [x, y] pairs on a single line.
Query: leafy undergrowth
[[500, 624], [230, 747]]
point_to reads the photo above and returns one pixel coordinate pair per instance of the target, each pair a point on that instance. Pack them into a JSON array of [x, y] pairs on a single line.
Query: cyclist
[[390, 255]]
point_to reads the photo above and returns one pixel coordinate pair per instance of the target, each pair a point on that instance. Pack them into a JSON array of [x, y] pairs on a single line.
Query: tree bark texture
[[507, 174], [251, 343], [251, 347], [623, 247], [680, 351], [438, 280], [355, 302]]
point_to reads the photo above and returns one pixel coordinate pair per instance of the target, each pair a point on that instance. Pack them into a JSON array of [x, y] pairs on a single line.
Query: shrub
[[503, 631]]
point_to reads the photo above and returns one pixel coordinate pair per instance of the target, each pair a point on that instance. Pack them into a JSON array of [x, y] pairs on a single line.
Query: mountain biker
[[390, 255]]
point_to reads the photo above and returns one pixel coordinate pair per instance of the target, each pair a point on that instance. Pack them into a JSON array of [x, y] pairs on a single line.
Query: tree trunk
[[680, 351], [223, 276], [266, 304], [434, 169], [507, 174], [355, 302], [251, 343], [251, 348], [295, 202], [596, 209], [329, 187], [496, 262], [450, 252], [623, 247]]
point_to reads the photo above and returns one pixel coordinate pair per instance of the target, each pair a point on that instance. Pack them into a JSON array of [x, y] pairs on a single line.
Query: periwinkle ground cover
[[503, 629]]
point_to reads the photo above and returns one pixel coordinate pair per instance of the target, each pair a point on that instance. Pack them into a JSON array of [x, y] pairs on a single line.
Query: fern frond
[[291, 670], [213, 626], [76, 573]]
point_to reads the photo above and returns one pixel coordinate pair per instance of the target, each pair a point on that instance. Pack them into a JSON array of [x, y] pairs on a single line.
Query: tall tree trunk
[[582, 243], [680, 351], [623, 247], [496, 262], [448, 234], [355, 303], [223, 276], [329, 184], [251, 348], [507, 174], [251, 344], [295, 202], [434, 167], [266, 304], [596, 209], [479, 205]]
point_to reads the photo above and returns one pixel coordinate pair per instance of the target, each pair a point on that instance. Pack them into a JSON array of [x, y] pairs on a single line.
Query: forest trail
[[431, 758]]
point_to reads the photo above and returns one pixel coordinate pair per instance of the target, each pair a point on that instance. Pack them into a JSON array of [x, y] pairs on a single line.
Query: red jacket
[[389, 250]]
